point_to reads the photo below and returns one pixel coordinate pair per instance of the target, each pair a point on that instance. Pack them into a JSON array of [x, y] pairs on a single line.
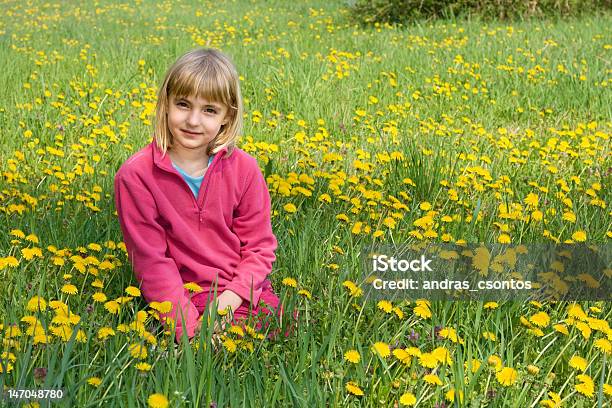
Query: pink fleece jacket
[[225, 236]]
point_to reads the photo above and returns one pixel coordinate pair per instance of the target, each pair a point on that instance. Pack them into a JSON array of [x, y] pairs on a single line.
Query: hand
[[226, 301]]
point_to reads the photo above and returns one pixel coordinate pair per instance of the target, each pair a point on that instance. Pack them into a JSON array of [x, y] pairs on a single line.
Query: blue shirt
[[194, 183]]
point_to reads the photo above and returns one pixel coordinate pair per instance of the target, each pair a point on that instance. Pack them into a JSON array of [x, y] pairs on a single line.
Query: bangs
[[206, 81]]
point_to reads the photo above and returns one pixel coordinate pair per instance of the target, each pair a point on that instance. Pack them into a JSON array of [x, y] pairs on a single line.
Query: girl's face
[[194, 122]]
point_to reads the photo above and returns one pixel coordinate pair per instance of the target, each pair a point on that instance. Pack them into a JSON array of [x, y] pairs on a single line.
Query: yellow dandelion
[[428, 360], [561, 329], [586, 387], [193, 287], [385, 306], [230, 345], [305, 293], [94, 381], [491, 305], [553, 402], [132, 291], [504, 239], [142, 366], [442, 355], [540, 319], [17, 233], [111, 306], [138, 351], [353, 289], [290, 208], [99, 297], [161, 307], [408, 399], [578, 363], [579, 236], [289, 282], [603, 345], [382, 349], [353, 388], [69, 289], [237, 330], [352, 356], [507, 376], [36, 304], [157, 401], [422, 311], [402, 355], [425, 206], [105, 332], [432, 379], [489, 336]]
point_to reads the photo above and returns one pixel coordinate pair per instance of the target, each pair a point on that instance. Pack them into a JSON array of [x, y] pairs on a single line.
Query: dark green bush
[[405, 11]]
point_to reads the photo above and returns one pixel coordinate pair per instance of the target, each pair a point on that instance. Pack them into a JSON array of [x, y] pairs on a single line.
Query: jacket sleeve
[[253, 226], [145, 241]]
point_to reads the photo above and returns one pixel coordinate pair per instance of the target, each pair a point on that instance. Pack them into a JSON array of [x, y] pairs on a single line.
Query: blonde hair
[[210, 75]]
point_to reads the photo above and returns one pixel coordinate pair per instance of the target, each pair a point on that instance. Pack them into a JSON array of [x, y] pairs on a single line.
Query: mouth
[[190, 133]]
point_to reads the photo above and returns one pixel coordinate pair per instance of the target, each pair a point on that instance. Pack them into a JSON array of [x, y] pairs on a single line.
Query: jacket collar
[[164, 162]]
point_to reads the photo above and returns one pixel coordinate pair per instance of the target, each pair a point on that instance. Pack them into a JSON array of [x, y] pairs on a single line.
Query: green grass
[[493, 147]]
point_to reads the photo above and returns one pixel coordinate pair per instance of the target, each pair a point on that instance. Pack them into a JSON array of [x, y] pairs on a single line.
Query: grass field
[[449, 132]]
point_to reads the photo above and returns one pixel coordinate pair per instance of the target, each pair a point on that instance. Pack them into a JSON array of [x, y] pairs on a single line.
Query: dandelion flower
[[540, 319], [230, 345], [428, 360], [352, 356], [408, 399], [138, 351], [603, 345], [105, 332], [289, 282], [132, 291], [305, 293], [69, 289], [142, 366], [354, 389], [491, 305], [290, 208], [161, 307], [586, 387], [36, 304], [94, 381], [578, 363], [422, 311], [432, 379], [193, 287], [579, 236], [385, 306], [507, 376], [403, 356], [112, 306], [382, 349], [157, 401]]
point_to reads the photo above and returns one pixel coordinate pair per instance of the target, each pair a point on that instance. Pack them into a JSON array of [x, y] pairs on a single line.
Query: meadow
[[446, 132]]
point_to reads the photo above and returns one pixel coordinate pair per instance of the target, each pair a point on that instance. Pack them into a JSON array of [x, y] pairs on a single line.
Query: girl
[[192, 206]]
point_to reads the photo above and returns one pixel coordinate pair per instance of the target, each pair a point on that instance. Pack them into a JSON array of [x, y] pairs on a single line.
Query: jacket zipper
[[200, 210], [205, 186]]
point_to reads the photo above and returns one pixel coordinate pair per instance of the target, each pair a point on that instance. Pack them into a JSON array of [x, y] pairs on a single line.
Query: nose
[[193, 119]]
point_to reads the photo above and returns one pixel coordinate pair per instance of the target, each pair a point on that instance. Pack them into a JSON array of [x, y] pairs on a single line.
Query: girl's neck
[[193, 162]]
